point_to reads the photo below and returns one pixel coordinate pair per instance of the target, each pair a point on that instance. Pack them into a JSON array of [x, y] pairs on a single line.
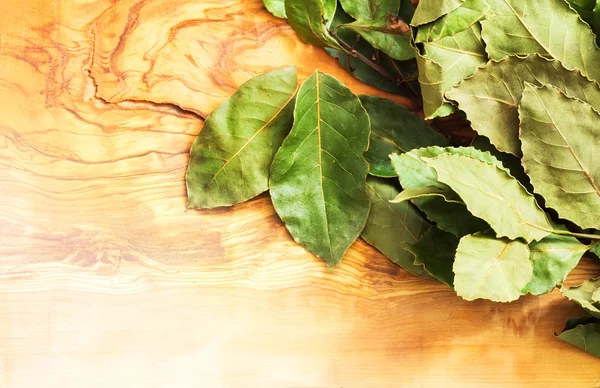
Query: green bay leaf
[[460, 19], [596, 296], [445, 63], [415, 174], [427, 192], [392, 226], [582, 295], [231, 158], [553, 258], [390, 36], [371, 9], [394, 129], [435, 251], [486, 267], [509, 161], [493, 195], [562, 162], [317, 182], [546, 27], [586, 336], [276, 7], [493, 112], [429, 10], [310, 19], [595, 249]]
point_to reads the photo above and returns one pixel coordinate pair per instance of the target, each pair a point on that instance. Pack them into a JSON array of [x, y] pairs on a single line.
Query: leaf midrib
[[386, 202], [502, 197], [320, 161], [487, 274]]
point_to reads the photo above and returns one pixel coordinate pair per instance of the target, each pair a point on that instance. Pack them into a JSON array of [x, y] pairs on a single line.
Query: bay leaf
[[310, 19], [486, 267], [276, 7], [371, 9], [394, 129], [595, 249], [546, 27], [509, 161], [317, 182], [392, 226], [231, 158], [445, 63], [562, 163], [435, 251], [460, 19], [493, 112], [414, 173], [392, 36], [431, 81], [585, 336], [493, 195], [582, 295], [596, 296], [553, 259], [430, 10], [427, 192]]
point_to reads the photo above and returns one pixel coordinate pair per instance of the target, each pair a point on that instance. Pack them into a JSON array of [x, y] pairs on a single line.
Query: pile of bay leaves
[[510, 214]]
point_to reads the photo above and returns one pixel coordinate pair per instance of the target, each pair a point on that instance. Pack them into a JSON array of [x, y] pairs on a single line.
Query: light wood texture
[[106, 280]]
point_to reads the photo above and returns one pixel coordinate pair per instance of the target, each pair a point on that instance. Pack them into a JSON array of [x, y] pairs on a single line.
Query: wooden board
[[106, 280]]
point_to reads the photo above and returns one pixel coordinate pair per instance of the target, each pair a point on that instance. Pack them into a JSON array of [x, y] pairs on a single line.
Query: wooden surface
[[106, 280]]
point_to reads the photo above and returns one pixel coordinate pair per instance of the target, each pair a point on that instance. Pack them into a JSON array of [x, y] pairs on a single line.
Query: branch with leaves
[[511, 214]]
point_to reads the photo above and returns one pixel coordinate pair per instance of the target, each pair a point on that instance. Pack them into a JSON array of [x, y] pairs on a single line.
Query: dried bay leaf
[[553, 259], [562, 162], [394, 129], [429, 10], [389, 35], [493, 112], [445, 63], [546, 27], [431, 80], [583, 333], [509, 161], [231, 158], [460, 19], [276, 7], [582, 295], [310, 18], [317, 182], [486, 267], [392, 226], [427, 192], [435, 251], [415, 174], [370, 9], [493, 195], [595, 249]]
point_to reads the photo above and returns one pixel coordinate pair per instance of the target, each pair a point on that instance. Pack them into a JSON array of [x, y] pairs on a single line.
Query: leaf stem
[[574, 234], [350, 50]]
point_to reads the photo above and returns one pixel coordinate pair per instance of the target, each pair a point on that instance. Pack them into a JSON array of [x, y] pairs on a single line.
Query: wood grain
[[106, 280]]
